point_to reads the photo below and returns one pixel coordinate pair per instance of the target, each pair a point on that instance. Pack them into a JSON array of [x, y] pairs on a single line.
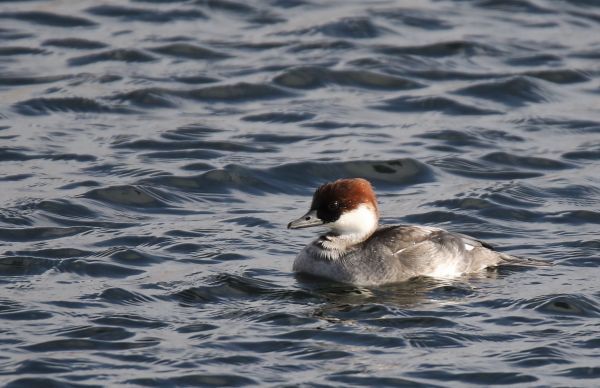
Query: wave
[[146, 14], [485, 170], [19, 50], [119, 55], [44, 106], [298, 177], [443, 49], [313, 77], [188, 51], [75, 43], [347, 27], [515, 91], [204, 380], [444, 105], [48, 19], [34, 80]]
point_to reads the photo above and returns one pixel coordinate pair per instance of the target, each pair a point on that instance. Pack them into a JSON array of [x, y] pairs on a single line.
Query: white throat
[[351, 228]]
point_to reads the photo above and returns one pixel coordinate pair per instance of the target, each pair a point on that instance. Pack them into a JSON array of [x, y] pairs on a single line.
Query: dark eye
[[333, 205]]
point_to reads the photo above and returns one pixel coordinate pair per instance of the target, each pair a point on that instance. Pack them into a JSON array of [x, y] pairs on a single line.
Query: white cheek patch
[[360, 221]]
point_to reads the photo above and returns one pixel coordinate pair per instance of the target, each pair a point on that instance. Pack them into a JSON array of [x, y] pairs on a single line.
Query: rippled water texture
[[152, 152]]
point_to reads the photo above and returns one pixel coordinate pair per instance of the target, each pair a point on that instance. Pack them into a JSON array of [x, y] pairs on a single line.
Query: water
[[152, 152]]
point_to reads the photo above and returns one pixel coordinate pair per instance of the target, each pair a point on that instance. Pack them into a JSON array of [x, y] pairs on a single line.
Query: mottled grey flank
[[401, 252]]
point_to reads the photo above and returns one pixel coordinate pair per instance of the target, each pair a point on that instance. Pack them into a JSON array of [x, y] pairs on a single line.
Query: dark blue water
[[152, 152]]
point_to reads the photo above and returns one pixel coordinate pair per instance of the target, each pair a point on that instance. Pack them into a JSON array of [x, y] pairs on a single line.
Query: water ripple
[[129, 196], [279, 117], [414, 18], [237, 92], [442, 49], [44, 106], [536, 357], [48, 19], [444, 105], [121, 296], [16, 50], [229, 287], [515, 91], [480, 378], [16, 80], [39, 233], [96, 268], [304, 175], [565, 306], [204, 380], [44, 382], [189, 51], [473, 169], [312, 77], [187, 145], [350, 27], [525, 161], [236, 7], [120, 55], [24, 265], [146, 14], [70, 345], [75, 43]]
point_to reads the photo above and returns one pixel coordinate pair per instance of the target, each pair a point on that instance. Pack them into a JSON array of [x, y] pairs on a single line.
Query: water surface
[[152, 152]]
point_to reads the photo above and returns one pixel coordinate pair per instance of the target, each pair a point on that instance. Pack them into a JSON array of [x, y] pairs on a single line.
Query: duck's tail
[[517, 261]]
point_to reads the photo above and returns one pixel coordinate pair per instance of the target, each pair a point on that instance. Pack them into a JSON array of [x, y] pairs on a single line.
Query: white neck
[[351, 228]]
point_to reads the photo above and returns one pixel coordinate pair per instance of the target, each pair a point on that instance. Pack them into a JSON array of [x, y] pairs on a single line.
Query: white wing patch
[[447, 270], [468, 247]]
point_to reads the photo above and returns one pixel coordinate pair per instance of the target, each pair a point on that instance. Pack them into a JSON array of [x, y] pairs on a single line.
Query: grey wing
[[473, 241], [445, 253]]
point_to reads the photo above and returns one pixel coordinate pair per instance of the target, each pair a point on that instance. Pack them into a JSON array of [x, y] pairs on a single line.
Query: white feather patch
[[447, 270], [361, 221]]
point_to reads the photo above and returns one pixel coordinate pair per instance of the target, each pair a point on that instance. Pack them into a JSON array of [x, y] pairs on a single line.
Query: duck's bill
[[306, 221]]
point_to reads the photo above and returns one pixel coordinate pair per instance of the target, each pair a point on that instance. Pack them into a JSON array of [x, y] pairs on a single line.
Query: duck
[[357, 250]]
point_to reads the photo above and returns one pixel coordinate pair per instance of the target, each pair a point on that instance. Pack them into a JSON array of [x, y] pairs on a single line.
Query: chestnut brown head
[[345, 204]]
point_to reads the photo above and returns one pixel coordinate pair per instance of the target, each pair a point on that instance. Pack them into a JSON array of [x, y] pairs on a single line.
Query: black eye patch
[[329, 211]]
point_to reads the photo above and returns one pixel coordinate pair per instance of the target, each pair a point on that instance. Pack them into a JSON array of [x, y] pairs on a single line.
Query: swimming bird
[[358, 251]]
